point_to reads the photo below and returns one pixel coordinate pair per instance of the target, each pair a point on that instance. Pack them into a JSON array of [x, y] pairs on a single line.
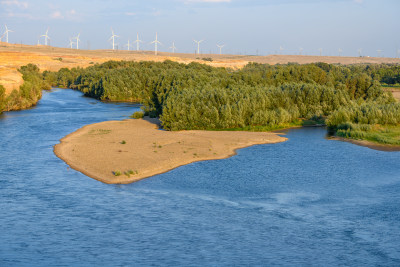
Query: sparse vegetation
[[117, 173], [99, 131]]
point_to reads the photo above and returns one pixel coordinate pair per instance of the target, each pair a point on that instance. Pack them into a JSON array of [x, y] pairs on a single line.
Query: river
[[305, 202]]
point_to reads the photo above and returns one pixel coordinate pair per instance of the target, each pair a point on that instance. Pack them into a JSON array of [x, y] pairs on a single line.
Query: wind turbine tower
[[379, 52], [173, 47], [340, 52], [128, 45], [113, 36], [320, 52], [301, 50], [359, 52], [6, 33], [156, 42], [281, 49], [220, 48], [71, 43], [77, 41], [137, 42], [46, 36], [198, 46]]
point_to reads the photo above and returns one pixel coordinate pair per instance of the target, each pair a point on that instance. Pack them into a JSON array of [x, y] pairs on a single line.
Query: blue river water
[[305, 202]]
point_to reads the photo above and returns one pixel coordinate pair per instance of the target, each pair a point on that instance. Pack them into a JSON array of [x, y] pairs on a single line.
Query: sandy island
[[138, 149]]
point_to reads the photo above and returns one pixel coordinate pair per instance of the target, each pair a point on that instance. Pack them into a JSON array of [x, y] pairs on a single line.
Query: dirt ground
[[53, 58]]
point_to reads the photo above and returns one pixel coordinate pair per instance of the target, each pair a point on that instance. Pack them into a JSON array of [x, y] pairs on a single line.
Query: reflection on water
[[308, 201]]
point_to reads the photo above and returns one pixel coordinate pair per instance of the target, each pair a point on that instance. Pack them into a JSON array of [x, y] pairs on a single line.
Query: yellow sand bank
[[138, 149]]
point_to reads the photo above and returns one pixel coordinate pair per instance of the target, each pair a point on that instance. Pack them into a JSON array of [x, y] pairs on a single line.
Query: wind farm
[[44, 39], [254, 133], [13, 56], [78, 56]]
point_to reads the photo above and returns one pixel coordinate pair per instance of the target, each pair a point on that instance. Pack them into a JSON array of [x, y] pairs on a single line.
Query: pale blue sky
[[245, 26]]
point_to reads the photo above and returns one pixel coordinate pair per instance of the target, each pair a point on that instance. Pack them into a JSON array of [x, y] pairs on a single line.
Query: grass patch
[[391, 86], [123, 142], [380, 134], [99, 131]]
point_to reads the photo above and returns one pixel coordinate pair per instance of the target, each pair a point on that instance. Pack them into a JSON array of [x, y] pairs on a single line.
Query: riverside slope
[[100, 150]]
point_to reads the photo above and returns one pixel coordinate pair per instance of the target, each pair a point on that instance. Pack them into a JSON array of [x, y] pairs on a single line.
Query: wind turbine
[[137, 42], [155, 42], [128, 45], [340, 52], [320, 52], [198, 46], [46, 36], [220, 48], [359, 52], [113, 38], [71, 43], [6, 33], [173, 47], [379, 52], [281, 49], [398, 53], [77, 40], [301, 50]]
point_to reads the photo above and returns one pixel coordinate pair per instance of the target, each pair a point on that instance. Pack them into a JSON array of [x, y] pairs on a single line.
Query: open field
[[53, 58], [395, 91]]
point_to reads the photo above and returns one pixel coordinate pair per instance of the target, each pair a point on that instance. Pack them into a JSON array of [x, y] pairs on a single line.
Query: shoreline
[[369, 144], [140, 147]]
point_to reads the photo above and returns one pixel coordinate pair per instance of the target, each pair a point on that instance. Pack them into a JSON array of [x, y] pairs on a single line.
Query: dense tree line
[[29, 92], [197, 96]]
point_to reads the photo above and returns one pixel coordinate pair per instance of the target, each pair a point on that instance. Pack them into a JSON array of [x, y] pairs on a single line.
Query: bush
[[138, 115]]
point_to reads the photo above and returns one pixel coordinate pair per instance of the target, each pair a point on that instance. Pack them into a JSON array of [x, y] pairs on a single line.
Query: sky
[[263, 27]]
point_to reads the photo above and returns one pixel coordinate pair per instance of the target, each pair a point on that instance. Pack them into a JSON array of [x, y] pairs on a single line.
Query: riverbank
[[369, 144], [121, 152]]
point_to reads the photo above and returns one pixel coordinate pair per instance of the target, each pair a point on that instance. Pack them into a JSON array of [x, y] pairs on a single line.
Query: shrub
[[117, 173], [138, 115]]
